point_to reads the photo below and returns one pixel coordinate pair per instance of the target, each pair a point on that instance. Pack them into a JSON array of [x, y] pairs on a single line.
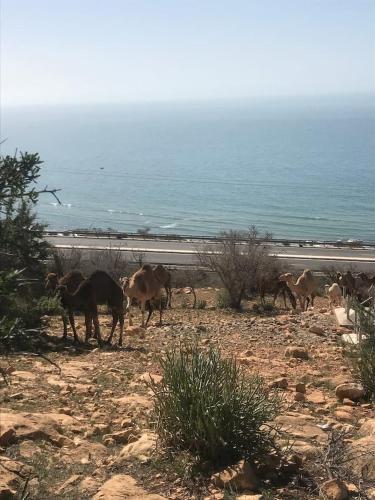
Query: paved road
[[184, 252]]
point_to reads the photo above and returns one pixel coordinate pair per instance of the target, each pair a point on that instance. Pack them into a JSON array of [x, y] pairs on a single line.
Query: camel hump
[[146, 267]]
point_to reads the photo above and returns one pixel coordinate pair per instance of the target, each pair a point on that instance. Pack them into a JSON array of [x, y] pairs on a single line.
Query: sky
[[108, 51]]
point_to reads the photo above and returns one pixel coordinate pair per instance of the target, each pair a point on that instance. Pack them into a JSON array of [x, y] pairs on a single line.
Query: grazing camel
[[346, 282], [165, 277], [334, 294], [274, 286], [303, 288], [71, 281], [143, 286], [99, 288]]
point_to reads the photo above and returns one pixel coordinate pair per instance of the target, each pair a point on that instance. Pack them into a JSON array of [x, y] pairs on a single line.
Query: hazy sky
[[67, 51]]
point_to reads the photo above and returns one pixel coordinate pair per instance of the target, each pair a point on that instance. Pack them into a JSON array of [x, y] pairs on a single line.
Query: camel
[[303, 288], [276, 287], [71, 281], [165, 277], [346, 282], [99, 288], [144, 286], [334, 294]]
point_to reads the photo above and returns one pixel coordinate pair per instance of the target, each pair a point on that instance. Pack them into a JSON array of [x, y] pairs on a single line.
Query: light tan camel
[[304, 288], [334, 294], [144, 286]]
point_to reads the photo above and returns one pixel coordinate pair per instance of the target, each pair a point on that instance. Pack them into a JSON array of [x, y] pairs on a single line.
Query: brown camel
[[71, 281], [99, 288]]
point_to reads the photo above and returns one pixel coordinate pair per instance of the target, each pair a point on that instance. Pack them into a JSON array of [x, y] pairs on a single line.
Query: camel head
[[287, 277], [124, 282], [51, 282], [161, 274]]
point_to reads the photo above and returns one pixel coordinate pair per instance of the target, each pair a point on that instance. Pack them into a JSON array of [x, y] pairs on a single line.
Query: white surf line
[[194, 252]]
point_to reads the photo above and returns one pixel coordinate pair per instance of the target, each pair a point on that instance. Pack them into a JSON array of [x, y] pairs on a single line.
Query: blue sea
[[300, 168]]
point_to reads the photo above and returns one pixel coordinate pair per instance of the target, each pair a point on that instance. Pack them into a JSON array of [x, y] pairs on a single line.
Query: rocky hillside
[[82, 427]]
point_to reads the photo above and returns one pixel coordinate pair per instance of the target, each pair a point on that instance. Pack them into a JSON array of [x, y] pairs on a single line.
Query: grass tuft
[[206, 406]]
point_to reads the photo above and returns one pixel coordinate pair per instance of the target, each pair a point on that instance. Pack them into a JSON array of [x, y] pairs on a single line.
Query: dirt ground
[[82, 427]]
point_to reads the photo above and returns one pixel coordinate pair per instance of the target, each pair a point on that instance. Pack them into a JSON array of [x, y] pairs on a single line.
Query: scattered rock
[[7, 436], [240, 477], [296, 352], [363, 451], [141, 449], [301, 426], [368, 428], [150, 377], [11, 477], [34, 426], [334, 489], [279, 383], [301, 387], [305, 450], [348, 402], [350, 391], [119, 436], [316, 397], [68, 483], [299, 397], [134, 402], [122, 486], [318, 330]]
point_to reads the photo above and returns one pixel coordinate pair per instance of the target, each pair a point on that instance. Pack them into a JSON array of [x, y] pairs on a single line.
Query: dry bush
[[114, 262], [239, 259]]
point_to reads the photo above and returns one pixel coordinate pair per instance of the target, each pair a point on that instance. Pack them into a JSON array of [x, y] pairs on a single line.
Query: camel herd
[[78, 292], [144, 288]]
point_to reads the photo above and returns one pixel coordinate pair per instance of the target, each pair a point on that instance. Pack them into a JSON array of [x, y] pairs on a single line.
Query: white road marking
[[194, 252]]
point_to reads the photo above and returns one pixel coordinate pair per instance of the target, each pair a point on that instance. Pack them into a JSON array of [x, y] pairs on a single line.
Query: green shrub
[[223, 300], [50, 305], [365, 368], [362, 356], [206, 406]]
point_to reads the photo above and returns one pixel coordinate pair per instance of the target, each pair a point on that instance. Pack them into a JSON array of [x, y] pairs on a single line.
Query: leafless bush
[[239, 259], [338, 458], [114, 262], [143, 231], [138, 257]]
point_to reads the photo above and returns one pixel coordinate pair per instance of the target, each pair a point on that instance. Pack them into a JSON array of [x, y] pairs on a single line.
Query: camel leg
[[65, 324], [275, 296], [121, 320], [150, 310], [72, 324], [114, 323], [312, 299], [88, 323], [303, 303], [95, 320], [128, 305], [161, 311], [143, 313], [284, 297], [307, 301]]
